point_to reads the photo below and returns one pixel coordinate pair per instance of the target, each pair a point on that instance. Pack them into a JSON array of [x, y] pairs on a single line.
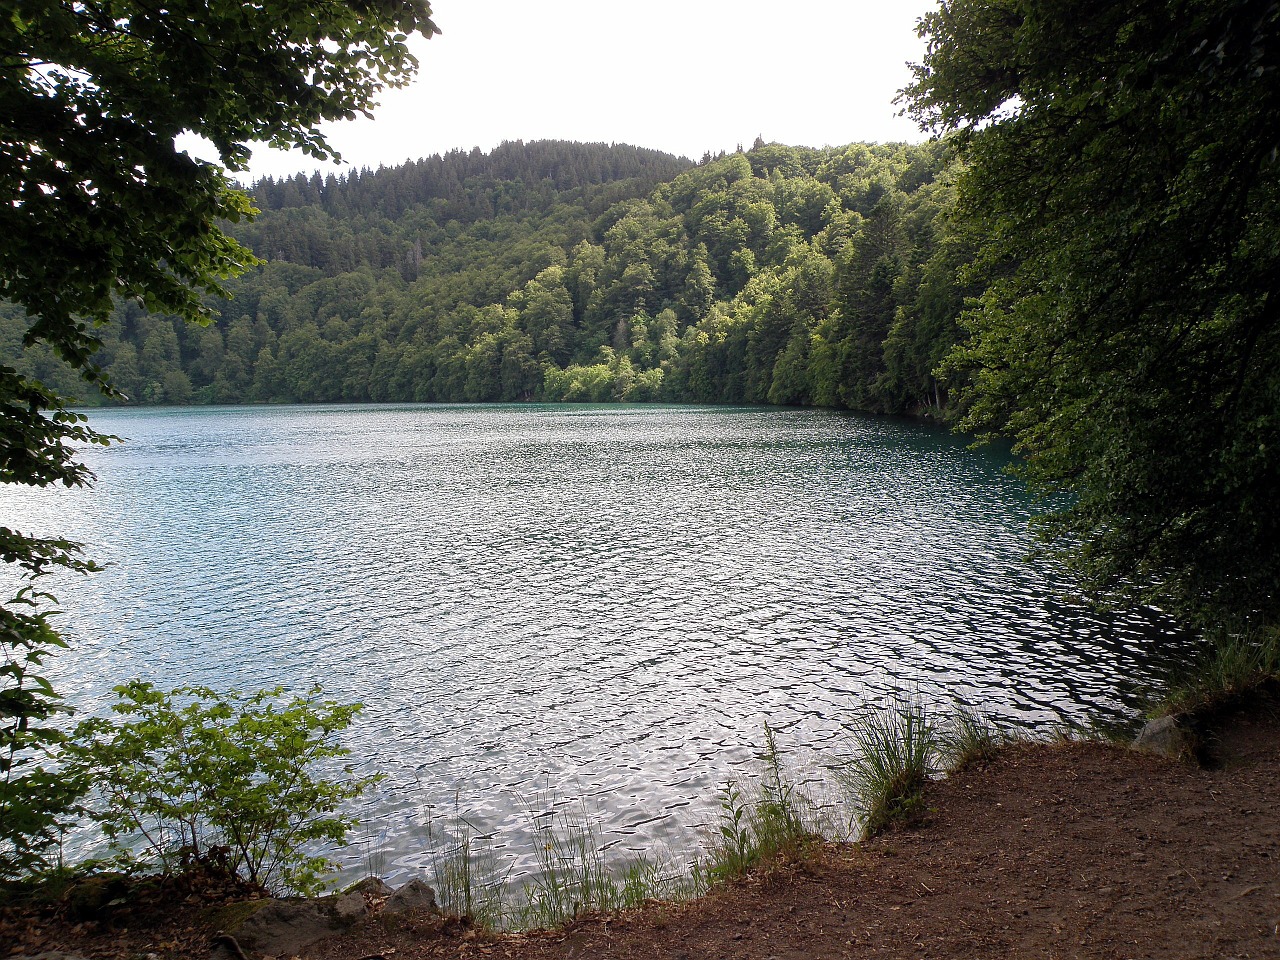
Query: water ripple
[[562, 605]]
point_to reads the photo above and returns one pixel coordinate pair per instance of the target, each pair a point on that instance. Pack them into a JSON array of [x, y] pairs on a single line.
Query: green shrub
[[893, 749], [733, 851], [224, 780], [37, 802]]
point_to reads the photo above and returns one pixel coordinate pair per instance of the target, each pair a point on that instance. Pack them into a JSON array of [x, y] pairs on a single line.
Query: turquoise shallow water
[[575, 605]]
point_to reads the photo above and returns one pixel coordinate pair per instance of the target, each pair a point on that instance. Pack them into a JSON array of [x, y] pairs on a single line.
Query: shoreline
[[1070, 849]]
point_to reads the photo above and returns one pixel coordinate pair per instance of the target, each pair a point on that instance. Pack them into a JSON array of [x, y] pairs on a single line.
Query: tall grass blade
[[892, 757]]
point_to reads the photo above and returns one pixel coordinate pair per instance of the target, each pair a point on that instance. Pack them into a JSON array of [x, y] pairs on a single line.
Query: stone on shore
[[1166, 736], [415, 898], [283, 928]]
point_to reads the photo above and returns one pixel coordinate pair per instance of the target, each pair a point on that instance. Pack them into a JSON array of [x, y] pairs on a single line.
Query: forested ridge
[[567, 271]]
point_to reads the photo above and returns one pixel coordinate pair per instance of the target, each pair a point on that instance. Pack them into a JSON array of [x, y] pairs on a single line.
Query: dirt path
[[1079, 850], [1076, 850]]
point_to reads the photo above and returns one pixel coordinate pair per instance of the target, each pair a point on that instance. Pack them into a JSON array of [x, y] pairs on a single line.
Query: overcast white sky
[[685, 76]]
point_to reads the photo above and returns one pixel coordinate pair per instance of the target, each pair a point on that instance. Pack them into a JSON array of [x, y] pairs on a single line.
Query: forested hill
[[566, 271], [458, 185]]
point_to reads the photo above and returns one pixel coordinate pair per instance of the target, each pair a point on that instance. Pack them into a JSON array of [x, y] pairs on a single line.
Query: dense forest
[[567, 271]]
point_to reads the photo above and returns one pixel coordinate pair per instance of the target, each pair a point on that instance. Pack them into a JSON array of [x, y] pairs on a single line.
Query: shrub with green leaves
[[37, 803], [230, 780]]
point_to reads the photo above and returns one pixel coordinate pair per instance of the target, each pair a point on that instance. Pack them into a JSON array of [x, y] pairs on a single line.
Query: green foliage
[[464, 875], [581, 272], [733, 853], [574, 878], [572, 875], [778, 819], [1120, 163], [99, 203], [772, 817], [885, 775], [1232, 665], [36, 803], [226, 780]]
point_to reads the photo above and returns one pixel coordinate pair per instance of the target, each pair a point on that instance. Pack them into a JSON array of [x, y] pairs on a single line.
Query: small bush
[[227, 781], [885, 776], [37, 801], [733, 851]]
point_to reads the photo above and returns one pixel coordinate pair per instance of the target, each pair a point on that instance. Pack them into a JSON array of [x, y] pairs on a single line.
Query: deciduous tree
[[1121, 158]]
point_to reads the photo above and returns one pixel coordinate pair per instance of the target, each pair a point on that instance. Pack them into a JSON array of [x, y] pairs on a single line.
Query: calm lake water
[[595, 606]]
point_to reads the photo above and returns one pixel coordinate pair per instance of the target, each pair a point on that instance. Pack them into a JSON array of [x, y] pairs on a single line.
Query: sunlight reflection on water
[[570, 604]]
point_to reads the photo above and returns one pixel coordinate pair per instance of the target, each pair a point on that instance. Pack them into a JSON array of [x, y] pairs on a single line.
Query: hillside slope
[[564, 271]]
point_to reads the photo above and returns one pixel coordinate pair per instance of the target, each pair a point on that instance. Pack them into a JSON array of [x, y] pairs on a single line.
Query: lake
[[596, 606]]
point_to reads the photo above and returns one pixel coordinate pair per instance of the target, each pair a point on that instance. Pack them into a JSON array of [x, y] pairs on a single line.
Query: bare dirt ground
[[1075, 850]]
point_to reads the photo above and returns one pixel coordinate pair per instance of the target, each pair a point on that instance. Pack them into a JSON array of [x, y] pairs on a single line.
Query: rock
[[226, 947], [1165, 736], [283, 928], [353, 903], [286, 927], [415, 897], [373, 886]]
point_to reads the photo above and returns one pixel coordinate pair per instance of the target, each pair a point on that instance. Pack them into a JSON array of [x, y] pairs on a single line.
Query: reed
[[893, 749], [573, 877]]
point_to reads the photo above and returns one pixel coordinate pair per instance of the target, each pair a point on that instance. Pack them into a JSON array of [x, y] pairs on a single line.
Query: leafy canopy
[[1121, 159], [98, 201]]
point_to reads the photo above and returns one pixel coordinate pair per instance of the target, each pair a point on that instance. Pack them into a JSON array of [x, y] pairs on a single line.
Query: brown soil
[[1051, 851]]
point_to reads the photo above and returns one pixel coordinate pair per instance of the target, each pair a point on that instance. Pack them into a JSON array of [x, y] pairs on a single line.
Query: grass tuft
[[971, 738], [464, 871], [1233, 665], [573, 875], [893, 752]]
